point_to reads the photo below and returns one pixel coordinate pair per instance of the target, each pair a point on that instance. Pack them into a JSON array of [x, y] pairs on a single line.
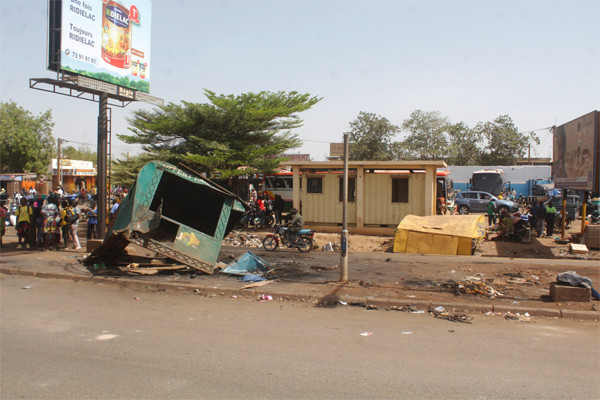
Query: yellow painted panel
[[325, 207], [379, 209], [464, 246], [400, 241]]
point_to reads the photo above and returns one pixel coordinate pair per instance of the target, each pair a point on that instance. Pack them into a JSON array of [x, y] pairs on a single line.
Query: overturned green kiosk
[[174, 212]]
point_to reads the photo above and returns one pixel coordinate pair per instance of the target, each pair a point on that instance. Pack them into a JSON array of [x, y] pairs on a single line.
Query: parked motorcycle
[[303, 241]]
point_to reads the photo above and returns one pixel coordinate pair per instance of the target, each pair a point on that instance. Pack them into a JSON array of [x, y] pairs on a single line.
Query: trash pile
[[474, 285], [238, 239], [510, 316], [440, 312]]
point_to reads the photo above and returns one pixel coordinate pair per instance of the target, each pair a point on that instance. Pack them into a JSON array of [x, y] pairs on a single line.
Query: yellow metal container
[[439, 234]]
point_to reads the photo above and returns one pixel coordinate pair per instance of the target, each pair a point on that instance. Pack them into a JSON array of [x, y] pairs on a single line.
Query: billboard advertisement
[[575, 153], [108, 40]]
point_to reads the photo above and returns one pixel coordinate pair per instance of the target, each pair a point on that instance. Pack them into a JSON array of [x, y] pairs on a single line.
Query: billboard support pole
[[102, 167]]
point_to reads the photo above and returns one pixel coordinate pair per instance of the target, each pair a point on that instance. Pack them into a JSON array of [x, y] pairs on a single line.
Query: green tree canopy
[[82, 153], [26, 141], [249, 130], [371, 137], [427, 135], [124, 171], [463, 146], [505, 145]]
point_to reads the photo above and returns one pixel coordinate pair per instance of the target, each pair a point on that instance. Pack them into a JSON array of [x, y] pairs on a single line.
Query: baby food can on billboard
[[116, 34]]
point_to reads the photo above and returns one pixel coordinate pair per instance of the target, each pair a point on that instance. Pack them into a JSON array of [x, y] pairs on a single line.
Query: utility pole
[[58, 161], [344, 249]]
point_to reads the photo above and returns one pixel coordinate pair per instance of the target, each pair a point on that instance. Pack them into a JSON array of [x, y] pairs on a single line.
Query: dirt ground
[[544, 247]]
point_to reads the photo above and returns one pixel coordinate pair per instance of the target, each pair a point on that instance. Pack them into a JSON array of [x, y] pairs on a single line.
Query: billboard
[[108, 40], [576, 155]]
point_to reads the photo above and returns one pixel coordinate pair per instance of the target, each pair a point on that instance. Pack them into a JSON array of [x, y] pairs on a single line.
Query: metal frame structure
[[81, 87]]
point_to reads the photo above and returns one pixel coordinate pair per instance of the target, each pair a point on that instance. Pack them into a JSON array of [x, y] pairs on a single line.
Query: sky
[[536, 61]]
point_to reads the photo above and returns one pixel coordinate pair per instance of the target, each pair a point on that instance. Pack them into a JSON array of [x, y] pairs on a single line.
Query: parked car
[[573, 206], [474, 201]]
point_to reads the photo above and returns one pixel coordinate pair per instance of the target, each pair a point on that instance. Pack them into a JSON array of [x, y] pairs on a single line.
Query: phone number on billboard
[[83, 57]]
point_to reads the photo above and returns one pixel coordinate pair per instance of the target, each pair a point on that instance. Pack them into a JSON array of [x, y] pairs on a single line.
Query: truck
[[494, 182]]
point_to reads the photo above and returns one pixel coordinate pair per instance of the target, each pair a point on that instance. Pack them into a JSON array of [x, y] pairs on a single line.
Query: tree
[[26, 141], [82, 153], [371, 137], [427, 138], [463, 144], [505, 145], [124, 171], [250, 130]]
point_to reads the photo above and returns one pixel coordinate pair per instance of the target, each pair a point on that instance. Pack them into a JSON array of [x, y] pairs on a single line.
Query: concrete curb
[[369, 302]]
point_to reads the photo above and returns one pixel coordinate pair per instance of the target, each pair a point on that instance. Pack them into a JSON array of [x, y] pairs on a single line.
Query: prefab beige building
[[380, 193]]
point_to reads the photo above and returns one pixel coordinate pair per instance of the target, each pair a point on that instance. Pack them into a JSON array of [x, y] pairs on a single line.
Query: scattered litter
[[474, 285], [412, 296], [240, 239], [366, 334], [418, 312], [440, 309], [452, 316], [516, 302], [451, 330], [407, 333], [136, 298], [266, 297], [343, 303], [525, 317], [328, 247], [234, 297], [26, 287]]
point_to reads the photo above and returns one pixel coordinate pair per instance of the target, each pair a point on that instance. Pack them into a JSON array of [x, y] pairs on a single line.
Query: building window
[[351, 189], [399, 190], [314, 185]]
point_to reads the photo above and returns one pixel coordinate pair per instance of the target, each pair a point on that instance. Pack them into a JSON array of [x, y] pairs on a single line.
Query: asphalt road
[[63, 339]]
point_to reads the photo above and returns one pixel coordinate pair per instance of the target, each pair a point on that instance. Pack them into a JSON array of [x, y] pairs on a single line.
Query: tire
[[463, 210], [271, 220], [305, 246], [269, 243]]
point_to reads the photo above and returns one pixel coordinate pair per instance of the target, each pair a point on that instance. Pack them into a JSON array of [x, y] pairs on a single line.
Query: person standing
[[3, 214], [491, 212], [550, 217], [92, 220], [64, 223], [24, 216], [51, 216], [262, 211], [75, 226], [114, 208], [539, 212], [278, 205]]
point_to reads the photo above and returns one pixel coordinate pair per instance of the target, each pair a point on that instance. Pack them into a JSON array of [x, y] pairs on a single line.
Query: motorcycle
[[280, 236]]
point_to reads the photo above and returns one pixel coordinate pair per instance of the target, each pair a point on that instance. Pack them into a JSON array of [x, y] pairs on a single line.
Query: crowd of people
[[51, 223], [540, 218], [262, 207]]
